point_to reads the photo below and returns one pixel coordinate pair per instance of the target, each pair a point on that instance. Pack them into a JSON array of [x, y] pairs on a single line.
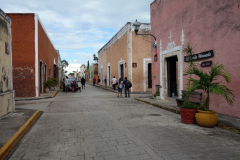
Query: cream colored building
[[7, 102], [128, 55]]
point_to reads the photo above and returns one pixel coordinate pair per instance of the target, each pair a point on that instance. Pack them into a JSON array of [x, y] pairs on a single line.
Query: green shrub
[[156, 94], [188, 105]]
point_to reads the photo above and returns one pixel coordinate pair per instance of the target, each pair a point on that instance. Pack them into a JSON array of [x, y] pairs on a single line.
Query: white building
[[83, 67]]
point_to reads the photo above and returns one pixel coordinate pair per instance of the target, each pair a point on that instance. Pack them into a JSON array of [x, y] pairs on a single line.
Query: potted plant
[[188, 110], [157, 95], [54, 82], [47, 85], [207, 82]]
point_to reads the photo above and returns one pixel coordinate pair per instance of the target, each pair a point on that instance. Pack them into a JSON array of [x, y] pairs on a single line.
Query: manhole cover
[[154, 114]]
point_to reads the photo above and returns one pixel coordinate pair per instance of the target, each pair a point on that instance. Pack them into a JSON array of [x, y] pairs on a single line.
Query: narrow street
[[97, 125]]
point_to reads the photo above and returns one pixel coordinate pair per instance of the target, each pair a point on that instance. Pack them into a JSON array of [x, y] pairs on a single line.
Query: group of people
[[94, 80], [74, 85], [120, 84]]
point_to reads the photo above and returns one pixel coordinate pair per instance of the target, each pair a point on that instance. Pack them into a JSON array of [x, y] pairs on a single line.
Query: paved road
[[97, 125]]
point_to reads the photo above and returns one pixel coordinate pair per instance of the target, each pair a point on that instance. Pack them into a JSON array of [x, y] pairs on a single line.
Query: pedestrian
[[114, 81], [66, 84], [99, 80], [120, 86], [79, 85], [127, 85], [83, 82], [94, 81], [105, 81]]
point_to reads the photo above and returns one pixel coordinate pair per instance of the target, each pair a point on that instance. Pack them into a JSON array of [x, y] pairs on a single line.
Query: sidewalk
[[51, 94], [116, 91], [225, 122]]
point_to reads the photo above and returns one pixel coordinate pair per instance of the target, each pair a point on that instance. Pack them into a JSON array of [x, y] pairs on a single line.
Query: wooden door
[[149, 75]]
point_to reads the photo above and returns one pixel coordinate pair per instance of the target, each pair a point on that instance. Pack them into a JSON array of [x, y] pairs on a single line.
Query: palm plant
[[207, 83]]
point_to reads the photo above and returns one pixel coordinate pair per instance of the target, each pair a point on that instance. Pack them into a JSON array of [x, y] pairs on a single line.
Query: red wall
[[207, 25], [23, 58], [46, 53], [23, 44]]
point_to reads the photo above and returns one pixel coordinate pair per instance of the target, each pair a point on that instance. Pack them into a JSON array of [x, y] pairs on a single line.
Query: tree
[[95, 58], [88, 64], [208, 83], [64, 65]]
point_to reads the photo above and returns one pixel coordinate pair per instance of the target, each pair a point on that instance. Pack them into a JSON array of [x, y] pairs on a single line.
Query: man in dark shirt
[[83, 82], [126, 88]]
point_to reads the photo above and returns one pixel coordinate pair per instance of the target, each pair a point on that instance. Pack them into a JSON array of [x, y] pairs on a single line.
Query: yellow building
[[128, 55], [7, 103]]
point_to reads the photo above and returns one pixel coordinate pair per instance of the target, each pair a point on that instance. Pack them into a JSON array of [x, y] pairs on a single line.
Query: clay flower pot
[[206, 118], [188, 115]]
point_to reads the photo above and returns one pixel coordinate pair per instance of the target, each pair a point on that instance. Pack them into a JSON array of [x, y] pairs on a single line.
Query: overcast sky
[[79, 28]]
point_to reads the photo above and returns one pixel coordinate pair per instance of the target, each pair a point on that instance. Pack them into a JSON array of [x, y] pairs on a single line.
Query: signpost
[[199, 56]]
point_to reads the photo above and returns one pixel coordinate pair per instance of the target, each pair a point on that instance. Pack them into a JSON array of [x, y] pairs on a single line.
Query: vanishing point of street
[[97, 125]]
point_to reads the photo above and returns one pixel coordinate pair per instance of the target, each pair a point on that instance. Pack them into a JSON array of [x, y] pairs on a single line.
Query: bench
[[195, 97]]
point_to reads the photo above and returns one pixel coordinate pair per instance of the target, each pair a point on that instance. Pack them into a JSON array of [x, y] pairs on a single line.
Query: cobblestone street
[[97, 125]]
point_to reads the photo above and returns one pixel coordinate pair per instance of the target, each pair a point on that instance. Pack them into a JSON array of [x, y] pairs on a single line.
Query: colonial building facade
[[7, 102], [35, 59], [212, 27], [128, 55]]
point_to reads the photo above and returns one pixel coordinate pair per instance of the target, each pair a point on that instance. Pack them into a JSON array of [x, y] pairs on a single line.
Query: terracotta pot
[[188, 115], [206, 118]]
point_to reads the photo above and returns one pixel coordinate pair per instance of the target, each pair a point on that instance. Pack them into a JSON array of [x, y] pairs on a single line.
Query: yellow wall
[[117, 53], [6, 93]]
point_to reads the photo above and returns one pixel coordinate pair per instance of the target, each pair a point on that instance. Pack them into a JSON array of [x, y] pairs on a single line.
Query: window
[[134, 65]]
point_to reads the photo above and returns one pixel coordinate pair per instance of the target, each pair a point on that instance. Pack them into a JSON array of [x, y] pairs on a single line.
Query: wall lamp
[[136, 25]]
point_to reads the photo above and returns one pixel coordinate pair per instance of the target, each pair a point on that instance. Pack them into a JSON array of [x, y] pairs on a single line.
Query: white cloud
[[79, 28]]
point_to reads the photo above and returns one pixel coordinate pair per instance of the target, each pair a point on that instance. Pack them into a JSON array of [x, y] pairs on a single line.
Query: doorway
[[41, 77], [121, 71], [149, 75], [172, 76], [109, 76]]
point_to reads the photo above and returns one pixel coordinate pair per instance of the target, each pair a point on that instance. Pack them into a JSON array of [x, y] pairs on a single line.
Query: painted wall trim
[[108, 76], [144, 73], [119, 72], [36, 55]]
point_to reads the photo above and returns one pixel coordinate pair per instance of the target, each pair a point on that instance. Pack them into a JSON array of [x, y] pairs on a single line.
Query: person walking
[[83, 82], [99, 80], [114, 81], [127, 85], [120, 86], [94, 81], [105, 81], [66, 84]]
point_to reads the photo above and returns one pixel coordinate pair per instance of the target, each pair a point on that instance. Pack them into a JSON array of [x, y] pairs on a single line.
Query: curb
[[159, 106], [55, 93], [18, 135], [219, 124]]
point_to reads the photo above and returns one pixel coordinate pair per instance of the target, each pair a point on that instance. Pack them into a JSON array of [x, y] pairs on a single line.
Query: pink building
[[213, 27]]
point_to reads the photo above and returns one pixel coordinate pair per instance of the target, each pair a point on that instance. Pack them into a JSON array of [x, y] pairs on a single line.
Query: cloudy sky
[[79, 28]]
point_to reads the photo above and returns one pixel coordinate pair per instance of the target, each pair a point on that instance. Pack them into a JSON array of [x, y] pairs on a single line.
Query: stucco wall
[[23, 54], [102, 66], [141, 48], [207, 25], [6, 93], [124, 49], [47, 54]]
